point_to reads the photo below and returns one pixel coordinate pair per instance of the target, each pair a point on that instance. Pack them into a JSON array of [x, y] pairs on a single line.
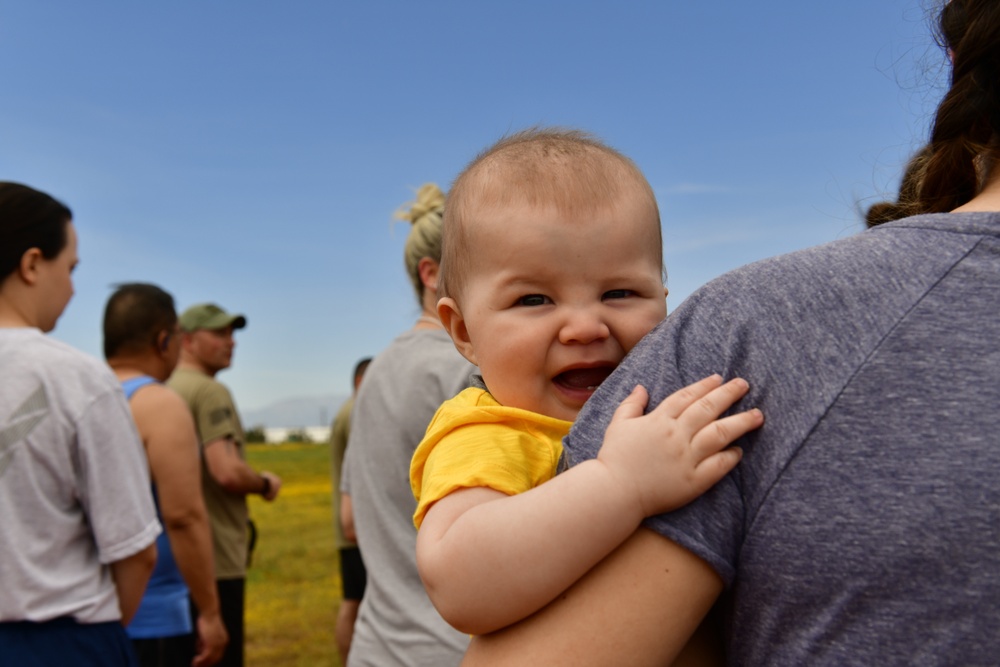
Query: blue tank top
[[164, 610]]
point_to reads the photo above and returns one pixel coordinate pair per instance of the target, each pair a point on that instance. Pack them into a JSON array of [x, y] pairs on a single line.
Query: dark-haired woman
[[78, 525], [863, 525]]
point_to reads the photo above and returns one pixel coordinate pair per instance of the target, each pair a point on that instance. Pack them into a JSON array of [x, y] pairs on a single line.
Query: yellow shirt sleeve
[[473, 441]]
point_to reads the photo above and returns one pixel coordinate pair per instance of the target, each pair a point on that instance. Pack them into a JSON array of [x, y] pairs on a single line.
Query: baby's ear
[[454, 324]]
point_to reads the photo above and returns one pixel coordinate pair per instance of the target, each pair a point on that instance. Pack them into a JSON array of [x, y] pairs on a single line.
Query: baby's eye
[[533, 300], [618, 294]]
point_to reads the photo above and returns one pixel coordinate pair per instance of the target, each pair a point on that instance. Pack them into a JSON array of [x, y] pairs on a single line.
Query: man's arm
[[347, 517], [234, 474], [168, 433], [131, 575], [637, 607]]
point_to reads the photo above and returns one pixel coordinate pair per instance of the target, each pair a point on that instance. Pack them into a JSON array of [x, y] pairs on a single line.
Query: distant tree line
[[255, 434]]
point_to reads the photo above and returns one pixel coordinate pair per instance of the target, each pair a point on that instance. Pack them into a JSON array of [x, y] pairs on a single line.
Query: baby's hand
[[678, 451]]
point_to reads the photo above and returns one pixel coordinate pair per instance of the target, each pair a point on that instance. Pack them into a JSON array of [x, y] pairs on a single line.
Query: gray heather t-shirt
[[403, 388], [74, 482], [863, 525]]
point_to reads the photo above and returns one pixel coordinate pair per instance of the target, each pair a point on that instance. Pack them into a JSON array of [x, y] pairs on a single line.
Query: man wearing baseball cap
[[207, 348]]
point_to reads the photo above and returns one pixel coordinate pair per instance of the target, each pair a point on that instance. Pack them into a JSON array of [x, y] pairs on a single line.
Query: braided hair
[[953, 24], [964, 137], [906, 204]]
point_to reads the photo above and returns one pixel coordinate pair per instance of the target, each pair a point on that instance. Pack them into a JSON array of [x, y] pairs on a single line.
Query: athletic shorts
[[64, 641], [352, 573]]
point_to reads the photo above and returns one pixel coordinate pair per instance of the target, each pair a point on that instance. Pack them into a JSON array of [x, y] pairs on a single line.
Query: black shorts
[[175, 650], [232, 601], [352, 573]]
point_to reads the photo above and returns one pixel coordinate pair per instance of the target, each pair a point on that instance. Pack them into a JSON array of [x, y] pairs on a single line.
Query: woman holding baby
[[860, 527]]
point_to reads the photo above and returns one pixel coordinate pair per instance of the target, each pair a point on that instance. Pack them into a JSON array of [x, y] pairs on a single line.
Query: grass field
[[293, 585]]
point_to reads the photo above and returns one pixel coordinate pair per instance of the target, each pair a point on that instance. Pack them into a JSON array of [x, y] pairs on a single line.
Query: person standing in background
[[352, 568], [404, 386], [79, 526], [227, 479], [142, 345]]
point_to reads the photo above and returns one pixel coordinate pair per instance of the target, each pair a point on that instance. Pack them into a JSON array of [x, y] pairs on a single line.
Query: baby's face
[[551, 304]]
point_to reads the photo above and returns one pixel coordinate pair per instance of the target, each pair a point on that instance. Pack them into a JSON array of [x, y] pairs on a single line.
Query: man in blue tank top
[[142, 346]]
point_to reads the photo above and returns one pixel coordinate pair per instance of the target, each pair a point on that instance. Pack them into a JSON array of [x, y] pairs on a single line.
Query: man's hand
[[212, 640], [272, 487]]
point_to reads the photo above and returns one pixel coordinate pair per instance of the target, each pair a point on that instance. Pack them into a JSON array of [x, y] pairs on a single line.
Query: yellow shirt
[[473, 441]]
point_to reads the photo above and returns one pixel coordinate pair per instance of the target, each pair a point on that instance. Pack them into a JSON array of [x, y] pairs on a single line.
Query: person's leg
[[165, 651], [353, 578], [231, 602], [179, 650], [346, 617], [147, 651]]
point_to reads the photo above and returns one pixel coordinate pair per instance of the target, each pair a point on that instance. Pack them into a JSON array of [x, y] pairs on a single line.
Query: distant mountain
[[295, 412]]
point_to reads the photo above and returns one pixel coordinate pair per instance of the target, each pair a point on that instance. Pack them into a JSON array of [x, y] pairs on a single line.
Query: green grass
[[293, 585]]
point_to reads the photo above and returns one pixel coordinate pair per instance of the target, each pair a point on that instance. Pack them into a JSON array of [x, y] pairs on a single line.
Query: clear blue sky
[[252, 153]]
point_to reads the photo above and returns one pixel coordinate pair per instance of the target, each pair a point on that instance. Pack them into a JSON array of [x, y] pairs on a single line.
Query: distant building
[[278, 434]]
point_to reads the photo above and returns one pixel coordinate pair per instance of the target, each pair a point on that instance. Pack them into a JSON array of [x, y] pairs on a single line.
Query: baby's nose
[[583, 325]]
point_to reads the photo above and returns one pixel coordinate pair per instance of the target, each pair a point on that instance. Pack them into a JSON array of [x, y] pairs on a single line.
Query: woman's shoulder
[[428, 349], [424, 358], [62, 369], [62, 357]]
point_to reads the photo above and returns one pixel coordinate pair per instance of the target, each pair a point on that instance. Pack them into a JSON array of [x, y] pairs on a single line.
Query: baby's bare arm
[[488, 559]]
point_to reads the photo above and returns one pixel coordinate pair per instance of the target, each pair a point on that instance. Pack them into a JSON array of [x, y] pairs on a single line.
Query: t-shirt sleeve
[[216, 415], [114, 481], [508, 457], [339, 433], [710, 526]]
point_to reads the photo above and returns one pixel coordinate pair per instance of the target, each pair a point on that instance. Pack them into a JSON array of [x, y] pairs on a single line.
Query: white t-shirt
[[74, 482]]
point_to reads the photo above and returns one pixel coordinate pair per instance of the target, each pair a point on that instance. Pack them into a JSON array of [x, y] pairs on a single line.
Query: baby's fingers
[[707, 409], [714, 468], [679, 401], [719, 434], [633, 405]]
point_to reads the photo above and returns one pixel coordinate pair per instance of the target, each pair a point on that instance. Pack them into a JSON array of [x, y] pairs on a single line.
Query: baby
[[551, 272]]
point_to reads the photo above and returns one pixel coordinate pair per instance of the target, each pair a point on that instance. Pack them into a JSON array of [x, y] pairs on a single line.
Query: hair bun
[[430, 200]]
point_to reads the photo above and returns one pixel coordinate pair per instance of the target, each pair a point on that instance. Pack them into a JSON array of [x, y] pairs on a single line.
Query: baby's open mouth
[[583, 378]]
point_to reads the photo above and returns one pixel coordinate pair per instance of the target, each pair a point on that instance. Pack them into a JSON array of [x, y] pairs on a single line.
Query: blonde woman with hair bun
[[422, 252], [403, 387]]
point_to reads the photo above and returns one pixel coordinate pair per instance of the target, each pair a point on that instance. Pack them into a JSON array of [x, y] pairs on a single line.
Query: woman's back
[[861, 525], [403, 387]]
